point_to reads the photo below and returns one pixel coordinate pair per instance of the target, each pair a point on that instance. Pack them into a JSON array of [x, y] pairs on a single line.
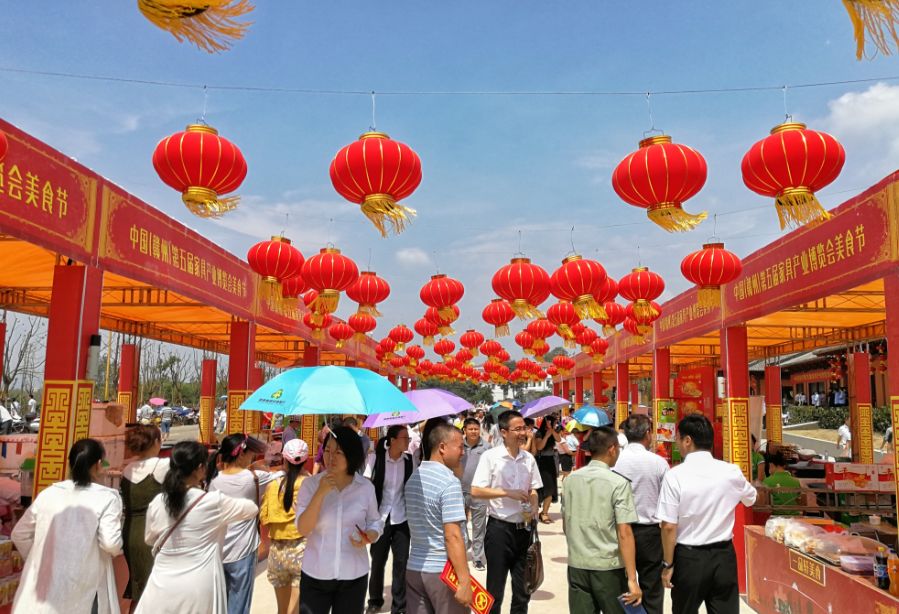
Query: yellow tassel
[[709, 297], [289, 303], [569, 343], [203, 202], [339, 344], [399, 347], [474, 352], [325, 302], [799, 206], [529, 352], [587, 308], [501, 331], [359, 337], [586, 349], [385, 213], [429, 340], [446, 330], [524, 310], [873, 20], [644, 310], [270, 291], [608, 330], [318, 333], [371, 310], [598, 358], [673, 218], [565, 332], [211, 25], [644, 329]]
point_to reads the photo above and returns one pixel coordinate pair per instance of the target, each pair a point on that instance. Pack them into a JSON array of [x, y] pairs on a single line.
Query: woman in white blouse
[[187, 576], [69, 536], [338, 513]]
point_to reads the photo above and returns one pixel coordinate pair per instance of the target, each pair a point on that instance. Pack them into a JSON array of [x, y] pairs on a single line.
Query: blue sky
[[493, 165]]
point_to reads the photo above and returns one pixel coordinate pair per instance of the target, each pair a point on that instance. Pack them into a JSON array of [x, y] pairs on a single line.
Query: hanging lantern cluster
[[641, 286], [202, 166], [498, 313], [211, 25], [790, 165], [368, 290], [524, 284], [376, 173], [709, 269], [659, 177], [276, 261], [329, 273], [578, 280]]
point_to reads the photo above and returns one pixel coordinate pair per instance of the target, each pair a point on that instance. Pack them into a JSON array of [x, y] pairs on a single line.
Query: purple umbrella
[[431, 403], [543, 406]]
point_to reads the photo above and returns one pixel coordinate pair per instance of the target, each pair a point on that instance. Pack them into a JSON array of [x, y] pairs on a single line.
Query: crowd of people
[[189, 525]]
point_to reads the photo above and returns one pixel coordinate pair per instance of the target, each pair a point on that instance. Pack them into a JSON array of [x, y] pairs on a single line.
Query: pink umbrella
[[157, 401], [430, 402]]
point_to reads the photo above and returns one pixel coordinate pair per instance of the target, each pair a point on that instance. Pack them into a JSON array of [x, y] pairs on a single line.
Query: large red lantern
[[499, 313], [790, 165], [644, 318], [275, 260], [564, 316], [329, 273], [402, 335], [710, 268], [362, 323], [201, 165], [368, 290], [442, 293], [442, 322], [341, 333], [525, 341], [524, 284], [541, 328], [377, 172], [577, 281], [615, 314], [471, 340], [641, 286], [427, 329], [659, 177], [444, 347]]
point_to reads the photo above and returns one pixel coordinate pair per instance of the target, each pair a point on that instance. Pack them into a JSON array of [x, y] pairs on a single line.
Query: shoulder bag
[[533, 566], [172, 528]]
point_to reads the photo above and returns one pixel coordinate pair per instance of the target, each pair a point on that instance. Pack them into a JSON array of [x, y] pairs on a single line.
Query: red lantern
[[442, 293], [585, 338], [499, 313], [524, 285], [490, 348], [201, 165], [329, 272], [710, 268], [607, 292], [564, 364], [471, 340], [427, 329], [444, 347], [274, 260], [402, 335], [615, 314], [368, 290], [415, 353], [362, 323], [540, 348], [340, 332], [502, 355], [564, 316], [552, 371], [464, 355], [633, 328], [525, 340], [791, 165], [376, 173], [644, 318], [398, 362], [641, 286], [291, 289], [541, 328], [659, 177], [443, 323], [309, 298], [577, 281], [388, 345], [317, 325], [598, 349]]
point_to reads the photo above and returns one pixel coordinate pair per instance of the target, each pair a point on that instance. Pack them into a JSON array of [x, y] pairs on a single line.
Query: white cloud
[[412, 257]]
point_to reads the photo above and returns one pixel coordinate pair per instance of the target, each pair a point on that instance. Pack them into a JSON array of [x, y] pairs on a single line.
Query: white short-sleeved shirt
[[242, 538], [497, 469], [393, 499], [646, 471], [844, 433], [700, 496]]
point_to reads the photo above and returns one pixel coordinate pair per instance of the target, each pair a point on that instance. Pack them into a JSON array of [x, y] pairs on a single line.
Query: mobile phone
[[631, 609]]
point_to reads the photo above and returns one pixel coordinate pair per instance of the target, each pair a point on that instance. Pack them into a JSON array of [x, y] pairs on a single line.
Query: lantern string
[[639, 261], [519, 252], [787, 116], [571, 240], [652, 123], [714, 238], [373, 108], [286, 223], [205, 104], [369, 259]]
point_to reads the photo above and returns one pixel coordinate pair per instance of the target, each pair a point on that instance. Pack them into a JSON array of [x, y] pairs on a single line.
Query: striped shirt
[[433, 499], [646, 471]]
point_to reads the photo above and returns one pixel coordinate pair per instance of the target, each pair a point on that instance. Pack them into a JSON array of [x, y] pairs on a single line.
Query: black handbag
[[533, 566]]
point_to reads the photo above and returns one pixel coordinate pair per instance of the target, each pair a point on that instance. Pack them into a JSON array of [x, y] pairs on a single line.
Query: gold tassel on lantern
[[325, 303], [524, 310], [569, 343], [673, 218], [798, 206], [318, 333], [643, 310], [211, 25], [501, 331], [204, 202], [385, 212], [446, 330], [371, 310], [873, 19], [608, 330], [428, 340], [598, 358], [338, 345], [709, 297], [587, 308], [270, 292]]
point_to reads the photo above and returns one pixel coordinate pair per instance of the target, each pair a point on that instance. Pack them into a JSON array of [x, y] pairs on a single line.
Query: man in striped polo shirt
[[435, 510]]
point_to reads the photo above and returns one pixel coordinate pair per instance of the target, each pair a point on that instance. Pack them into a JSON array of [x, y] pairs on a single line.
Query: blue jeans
[[239, 578], [165, 426]]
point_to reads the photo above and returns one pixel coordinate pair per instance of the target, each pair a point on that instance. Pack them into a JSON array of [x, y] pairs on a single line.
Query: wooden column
[[128, 380], [240, 361], [861, 425], [773, 405], [578, 392], [622, 382], [404, 384]]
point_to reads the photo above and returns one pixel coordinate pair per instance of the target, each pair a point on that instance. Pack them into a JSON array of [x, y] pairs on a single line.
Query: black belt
[[714, 546], [646, 525], [521, 526]]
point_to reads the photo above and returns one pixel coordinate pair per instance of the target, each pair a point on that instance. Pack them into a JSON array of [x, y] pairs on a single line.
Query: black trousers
[[648, 542], [505, 548], [332, 596], [394, 539], [705, 574]]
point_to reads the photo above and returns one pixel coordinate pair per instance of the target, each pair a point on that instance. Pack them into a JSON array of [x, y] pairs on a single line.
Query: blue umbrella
[[543, 406], [328, 390], [592, 416]]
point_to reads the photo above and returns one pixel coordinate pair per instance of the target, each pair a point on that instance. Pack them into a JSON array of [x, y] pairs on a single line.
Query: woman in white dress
[[69, 536], [187, 576]]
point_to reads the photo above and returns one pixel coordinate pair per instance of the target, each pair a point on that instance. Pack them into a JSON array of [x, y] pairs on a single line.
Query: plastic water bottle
[[881, 575], [527, 512]]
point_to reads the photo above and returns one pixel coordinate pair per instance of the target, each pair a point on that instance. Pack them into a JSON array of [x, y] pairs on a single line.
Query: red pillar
[[404, 384], [66, 404], [310, 356], [578, 391], [413, 384], [596, 385], [773, 405], [240, 362], [128, 379], [891, 298], [635, 396], [557, 389], [566, 389], [622, 382], [208, 380], [860, 408], [253, 419]]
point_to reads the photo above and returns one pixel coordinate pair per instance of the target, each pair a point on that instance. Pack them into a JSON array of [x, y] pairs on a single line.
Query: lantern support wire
[[519, 252], [571, 240], [205, 104], [369, 259], [652, 123], [714, 238], [787, 116], [373, 108], [286, 223]]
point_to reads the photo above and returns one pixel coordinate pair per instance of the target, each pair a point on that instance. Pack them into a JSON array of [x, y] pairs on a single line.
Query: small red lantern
[[362, 323], [633, 328], [275, 260], [541, 328], [585, 338], [427, 329], [564, 316], [415, 353], [525, 341], [598, 349], [341, 333], [490, 349], [464, 355], [641, 286], [291, 289], [444, 347], [317, 325], [790, 165], [607, 292], [443, 323], [540, 348], [499, 313], [471, 340], [644, 319], [615, 314], [201, 165], [710, 268], [368, 290], [564, 364], [376, 173], [402, 335], [329, 272], [524, 284], [502, 355], [659, 177], [577, 281], [388, 345], [442, 293], [552, 371]]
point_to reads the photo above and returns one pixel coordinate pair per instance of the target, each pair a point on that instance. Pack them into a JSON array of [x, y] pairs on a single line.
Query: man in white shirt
[[508, 478], [696, 508], [844, 437], [5, 420], [646, 471], [32, 404], [145, 413]]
